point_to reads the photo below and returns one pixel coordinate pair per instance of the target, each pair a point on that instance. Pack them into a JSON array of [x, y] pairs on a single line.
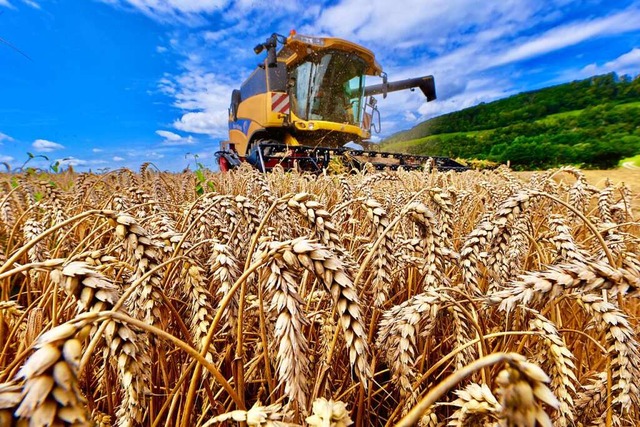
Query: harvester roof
[[299, 47]]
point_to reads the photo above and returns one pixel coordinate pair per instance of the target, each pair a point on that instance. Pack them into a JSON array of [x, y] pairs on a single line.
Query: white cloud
[[34, 4], [468, 73], [409, 116], [206, 122], [82, 163], [31, 3], [72, 161], [196, 12], [118, 158], [571, 34], [204, 98], [439, 24], [7, 159], [97, 150], [147, 155], [4, 137], [44, 146], [628, 63], [183, 11], [171, 138], [473, 50]]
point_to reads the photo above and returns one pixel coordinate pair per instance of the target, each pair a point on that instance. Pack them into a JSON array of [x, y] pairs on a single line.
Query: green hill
[[592, 123]]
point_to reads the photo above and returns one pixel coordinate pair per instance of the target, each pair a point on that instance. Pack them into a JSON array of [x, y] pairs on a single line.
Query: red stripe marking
[[277, 100]]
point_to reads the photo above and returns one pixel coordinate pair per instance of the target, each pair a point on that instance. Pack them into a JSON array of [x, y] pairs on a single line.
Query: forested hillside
[[592, 123]]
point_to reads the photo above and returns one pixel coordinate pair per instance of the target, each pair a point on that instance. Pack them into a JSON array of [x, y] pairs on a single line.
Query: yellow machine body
[[255, 118], [304, 103]]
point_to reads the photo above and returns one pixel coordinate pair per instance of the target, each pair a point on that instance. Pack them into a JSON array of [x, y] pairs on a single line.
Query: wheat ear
[[329, 412], [51, 395], [398, 332], [475, 402], [330, 269], [562, 369], [522, 390], [623, 346], [280, 283], [147, 299], [10, 397], [256, 416], [128, 348], [383, 260]]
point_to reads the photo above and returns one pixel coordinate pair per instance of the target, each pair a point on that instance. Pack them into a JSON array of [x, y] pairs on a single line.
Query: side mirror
[[271, 44]]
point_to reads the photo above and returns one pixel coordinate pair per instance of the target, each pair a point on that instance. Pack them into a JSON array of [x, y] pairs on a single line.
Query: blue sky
[[113, 83]]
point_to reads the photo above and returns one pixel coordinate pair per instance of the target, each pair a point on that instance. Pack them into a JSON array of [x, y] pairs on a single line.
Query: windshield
[[329, 87]]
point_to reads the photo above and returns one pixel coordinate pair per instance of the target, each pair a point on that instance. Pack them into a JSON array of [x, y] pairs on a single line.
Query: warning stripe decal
[[280, 103]]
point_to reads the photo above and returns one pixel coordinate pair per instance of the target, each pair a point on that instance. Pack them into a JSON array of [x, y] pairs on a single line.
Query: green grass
[[559, 116], [629, 105], [403, 146], [635, 160]]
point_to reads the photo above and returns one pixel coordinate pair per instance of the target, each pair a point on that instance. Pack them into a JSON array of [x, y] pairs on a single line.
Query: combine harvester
[[306, 101]]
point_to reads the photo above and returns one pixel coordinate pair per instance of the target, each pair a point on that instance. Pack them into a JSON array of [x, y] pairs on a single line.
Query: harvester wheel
[[224, 164]]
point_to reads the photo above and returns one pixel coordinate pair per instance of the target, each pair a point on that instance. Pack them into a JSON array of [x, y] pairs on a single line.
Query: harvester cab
[[306, 101]]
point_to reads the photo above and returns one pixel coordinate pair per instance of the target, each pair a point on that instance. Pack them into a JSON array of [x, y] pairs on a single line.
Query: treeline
[[601, 126]]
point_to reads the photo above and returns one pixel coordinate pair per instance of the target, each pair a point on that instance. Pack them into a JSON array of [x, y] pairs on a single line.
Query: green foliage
[[592, 123], [201, 177], [478, 164], [634, 161], [55, 167]]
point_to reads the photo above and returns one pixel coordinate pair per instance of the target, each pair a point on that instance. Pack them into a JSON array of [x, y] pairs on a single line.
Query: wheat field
[[371, 298]]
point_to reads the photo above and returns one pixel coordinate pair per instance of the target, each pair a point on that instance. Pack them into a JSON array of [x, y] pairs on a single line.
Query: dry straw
[[365, 298]]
